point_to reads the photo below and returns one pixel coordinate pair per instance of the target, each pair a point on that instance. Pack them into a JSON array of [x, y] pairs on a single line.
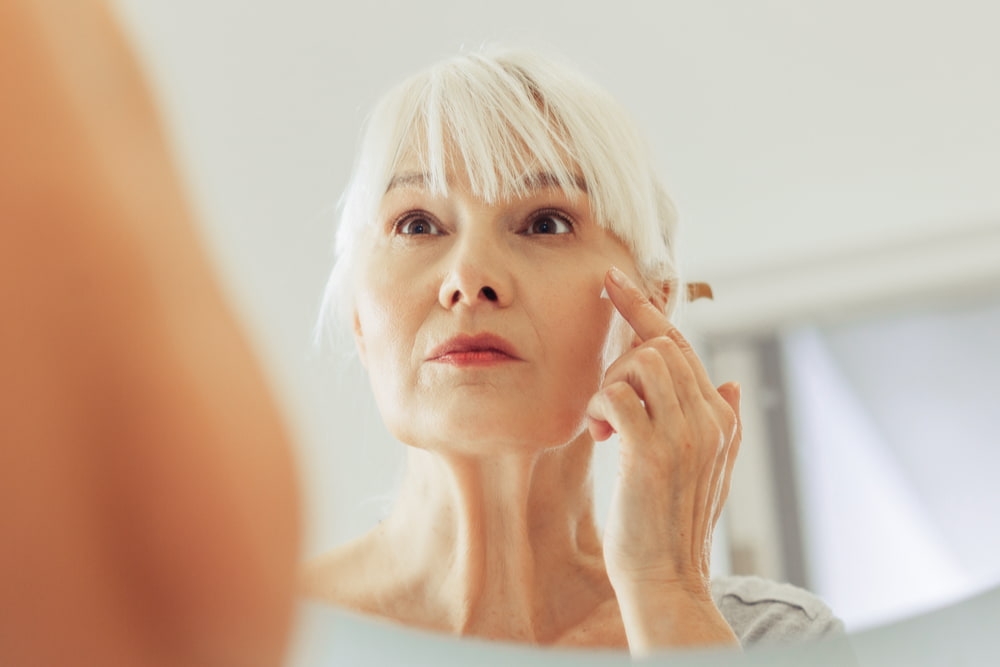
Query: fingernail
[[618, 277], [604, 293]]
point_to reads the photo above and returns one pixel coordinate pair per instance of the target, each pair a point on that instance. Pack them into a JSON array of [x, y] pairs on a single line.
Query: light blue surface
[[967, 633]]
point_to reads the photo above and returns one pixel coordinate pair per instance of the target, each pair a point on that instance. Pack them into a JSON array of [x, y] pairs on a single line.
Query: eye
[[415, 224], [549, 222]]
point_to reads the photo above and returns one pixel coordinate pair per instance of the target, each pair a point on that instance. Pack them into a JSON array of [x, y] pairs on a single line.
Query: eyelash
[[399, 227], [415, 216], [549, 214]]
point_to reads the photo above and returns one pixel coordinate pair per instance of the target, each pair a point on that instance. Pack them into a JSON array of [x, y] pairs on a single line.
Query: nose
[[478, 273]]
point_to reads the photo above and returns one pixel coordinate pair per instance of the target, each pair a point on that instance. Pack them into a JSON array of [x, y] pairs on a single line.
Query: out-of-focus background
[[837, 168]]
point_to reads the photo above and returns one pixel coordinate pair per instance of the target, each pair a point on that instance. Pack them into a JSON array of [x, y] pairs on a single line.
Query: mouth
[[474, 350]]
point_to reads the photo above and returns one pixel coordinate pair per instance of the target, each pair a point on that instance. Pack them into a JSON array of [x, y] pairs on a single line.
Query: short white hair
[[501, 111]]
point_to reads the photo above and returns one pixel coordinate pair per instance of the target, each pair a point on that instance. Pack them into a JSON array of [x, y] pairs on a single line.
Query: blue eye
[[549, 223], [415, 225]]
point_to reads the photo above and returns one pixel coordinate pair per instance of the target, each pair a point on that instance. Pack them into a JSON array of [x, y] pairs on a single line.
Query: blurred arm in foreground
[[148, 511]]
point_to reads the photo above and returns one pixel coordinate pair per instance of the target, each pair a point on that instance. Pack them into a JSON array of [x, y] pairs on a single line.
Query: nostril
[[489, 293]]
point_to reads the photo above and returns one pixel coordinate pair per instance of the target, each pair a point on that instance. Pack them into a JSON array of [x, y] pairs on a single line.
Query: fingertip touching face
[[480, 322]]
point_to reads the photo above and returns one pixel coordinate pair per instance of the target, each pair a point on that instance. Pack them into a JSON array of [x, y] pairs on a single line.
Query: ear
[[359, 340]]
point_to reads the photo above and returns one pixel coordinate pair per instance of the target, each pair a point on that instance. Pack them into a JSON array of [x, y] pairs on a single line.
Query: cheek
[[387, 299], [578, 340], [384, 325], [388, 347], [582, 331]]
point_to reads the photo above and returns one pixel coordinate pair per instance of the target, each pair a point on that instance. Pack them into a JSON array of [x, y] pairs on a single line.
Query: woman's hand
[[679, 438]]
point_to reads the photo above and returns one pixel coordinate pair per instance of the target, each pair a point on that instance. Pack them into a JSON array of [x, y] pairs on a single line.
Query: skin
[[493, 533], [147, 503]]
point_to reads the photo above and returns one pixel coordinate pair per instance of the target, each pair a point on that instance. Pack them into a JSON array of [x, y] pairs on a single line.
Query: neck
[[501, 546]]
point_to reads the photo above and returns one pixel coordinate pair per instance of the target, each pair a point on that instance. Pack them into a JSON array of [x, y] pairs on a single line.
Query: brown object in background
[[697, 291]]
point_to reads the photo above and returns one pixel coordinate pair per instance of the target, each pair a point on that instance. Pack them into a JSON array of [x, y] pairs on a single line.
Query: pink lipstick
[[482, 349]]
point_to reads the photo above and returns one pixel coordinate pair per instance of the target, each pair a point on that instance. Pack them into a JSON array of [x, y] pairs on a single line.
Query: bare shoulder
[[348, 575]]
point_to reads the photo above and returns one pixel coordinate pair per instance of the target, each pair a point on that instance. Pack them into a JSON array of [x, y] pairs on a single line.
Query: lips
[[483, 347]]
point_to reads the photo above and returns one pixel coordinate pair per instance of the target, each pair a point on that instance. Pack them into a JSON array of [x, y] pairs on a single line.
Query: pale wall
[[791, 134]]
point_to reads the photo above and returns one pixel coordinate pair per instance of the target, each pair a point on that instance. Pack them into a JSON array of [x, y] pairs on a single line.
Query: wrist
[[654, 586], [667, 614]]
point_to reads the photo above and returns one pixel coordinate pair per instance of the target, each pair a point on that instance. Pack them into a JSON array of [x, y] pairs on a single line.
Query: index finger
[[649, 322], [645, 319]]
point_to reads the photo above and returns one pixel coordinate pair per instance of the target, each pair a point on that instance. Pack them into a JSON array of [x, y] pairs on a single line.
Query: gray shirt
[[761, 611]]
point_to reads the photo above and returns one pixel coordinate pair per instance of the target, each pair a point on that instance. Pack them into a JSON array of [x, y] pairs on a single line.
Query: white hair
[[501, 111]]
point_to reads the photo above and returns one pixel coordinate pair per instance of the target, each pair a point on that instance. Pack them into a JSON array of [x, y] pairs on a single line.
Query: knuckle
[[612, 375], [662, 343], [618, 391], [637, 301], [648, 355], [712, 432], [729, 424], [681, 342], [615, 367]]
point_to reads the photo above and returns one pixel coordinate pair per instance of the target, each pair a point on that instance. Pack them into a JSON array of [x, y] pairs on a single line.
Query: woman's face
[[481, 326]]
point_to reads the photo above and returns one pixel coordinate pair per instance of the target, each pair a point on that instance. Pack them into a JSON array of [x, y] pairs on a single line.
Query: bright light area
[[890, 421]]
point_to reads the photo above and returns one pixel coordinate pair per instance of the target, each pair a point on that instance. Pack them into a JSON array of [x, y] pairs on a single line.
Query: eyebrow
[[537, 181]]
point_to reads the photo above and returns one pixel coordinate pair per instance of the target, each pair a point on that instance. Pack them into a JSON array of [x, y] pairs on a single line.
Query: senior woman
[[506, 260]]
